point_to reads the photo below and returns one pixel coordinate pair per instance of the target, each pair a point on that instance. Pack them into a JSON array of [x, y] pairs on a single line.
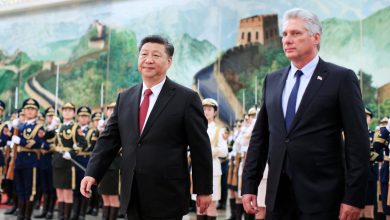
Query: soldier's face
[[1, 112], [49, 119], [153, 61], [83, 119], [109, 112], [95, 123], [209, 112], [68, 113], [30, 113]]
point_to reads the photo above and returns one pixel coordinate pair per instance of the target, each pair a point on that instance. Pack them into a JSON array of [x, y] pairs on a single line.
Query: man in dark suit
[[311, 130], [154, 122]]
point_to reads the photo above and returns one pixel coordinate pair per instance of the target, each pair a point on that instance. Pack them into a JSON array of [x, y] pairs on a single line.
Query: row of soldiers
[[377, 192], [377, 200], [228, 167], [48, 155]]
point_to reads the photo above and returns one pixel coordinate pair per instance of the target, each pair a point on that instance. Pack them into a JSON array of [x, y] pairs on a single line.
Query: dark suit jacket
[[158, 157], [331, 104]]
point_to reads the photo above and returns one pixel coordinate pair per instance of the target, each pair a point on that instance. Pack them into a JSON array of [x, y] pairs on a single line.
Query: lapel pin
[[319, 77]]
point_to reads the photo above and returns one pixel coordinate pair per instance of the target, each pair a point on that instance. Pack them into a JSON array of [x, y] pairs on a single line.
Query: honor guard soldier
[[109, 186], [373, 177], [241, 148], [27, 142], [233, 171], [381, 142], [218, 149], [70, 139], [51, 123], [10, 160], [82, 157], [4, 138]]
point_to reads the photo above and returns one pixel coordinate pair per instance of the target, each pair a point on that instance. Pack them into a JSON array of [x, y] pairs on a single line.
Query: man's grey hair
[[312, 23]]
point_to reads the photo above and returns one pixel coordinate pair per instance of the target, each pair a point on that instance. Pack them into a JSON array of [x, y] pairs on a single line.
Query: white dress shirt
[[156, 89], [308, 71]]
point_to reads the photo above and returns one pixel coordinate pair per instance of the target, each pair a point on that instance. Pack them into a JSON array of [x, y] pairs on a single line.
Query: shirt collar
[[31, 121], [211, 125], [68, 123], [156, 89], [309, 68]]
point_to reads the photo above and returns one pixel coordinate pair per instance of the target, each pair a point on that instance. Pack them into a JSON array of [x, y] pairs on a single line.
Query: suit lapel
[[165, 95], [279, 97], [133, 103], [315, 83]]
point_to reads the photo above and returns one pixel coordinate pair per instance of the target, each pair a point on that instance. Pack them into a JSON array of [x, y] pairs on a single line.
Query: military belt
[[84, 153], [24, 149], [62, 149]]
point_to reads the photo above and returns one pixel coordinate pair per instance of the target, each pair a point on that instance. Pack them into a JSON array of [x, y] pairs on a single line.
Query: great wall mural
[[223, 49]]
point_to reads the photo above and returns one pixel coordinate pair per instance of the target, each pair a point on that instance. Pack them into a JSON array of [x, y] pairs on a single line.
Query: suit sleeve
[[356, 140], [257, 152], [106, 147], [200, 147]]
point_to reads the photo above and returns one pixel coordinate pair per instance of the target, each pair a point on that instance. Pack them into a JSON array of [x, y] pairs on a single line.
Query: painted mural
[[223, 48]]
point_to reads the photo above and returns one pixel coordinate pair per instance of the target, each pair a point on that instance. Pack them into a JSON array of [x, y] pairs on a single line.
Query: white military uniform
[[218, 149], [241, 146], [262, 188]]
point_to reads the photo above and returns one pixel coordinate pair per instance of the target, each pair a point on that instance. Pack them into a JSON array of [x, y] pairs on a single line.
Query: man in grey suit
[[154, 122], [312, 131]]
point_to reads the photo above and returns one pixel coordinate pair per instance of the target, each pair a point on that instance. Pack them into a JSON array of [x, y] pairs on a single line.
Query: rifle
[[13, 147], [230, 171], [11, 165], [235, 170]]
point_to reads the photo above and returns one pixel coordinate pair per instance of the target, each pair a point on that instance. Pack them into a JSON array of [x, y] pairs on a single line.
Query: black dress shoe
[[10, 211], [221, 207]]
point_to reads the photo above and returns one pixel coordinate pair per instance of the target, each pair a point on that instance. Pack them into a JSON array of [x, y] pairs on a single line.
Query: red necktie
[[143, 109]]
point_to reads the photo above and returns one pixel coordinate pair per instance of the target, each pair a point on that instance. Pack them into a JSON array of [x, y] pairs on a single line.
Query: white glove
[[100, 125], [15, 139], [15, 123], [9, 125], [9, 143], [388, 126], [53, 125], [66, 155], [75, 147]]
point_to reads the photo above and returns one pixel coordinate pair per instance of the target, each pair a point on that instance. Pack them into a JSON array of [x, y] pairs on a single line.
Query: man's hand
[[203, 202], [249, 201], [348, 212], [85, 186]]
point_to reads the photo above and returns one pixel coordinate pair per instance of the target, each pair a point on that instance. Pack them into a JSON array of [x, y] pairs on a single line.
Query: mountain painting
[[92, 45]]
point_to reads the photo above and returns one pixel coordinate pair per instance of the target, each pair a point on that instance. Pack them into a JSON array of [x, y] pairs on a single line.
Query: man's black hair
[[169, 49]]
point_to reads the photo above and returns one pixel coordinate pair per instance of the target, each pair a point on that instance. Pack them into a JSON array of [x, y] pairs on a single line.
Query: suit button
[[286, 140]]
